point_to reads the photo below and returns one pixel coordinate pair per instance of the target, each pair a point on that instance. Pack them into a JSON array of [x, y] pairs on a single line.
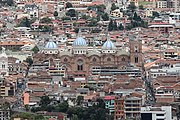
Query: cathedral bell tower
[[135, 51], [4, 71]]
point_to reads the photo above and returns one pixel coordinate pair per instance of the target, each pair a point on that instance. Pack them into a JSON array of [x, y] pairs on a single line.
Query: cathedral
[[81, 61]]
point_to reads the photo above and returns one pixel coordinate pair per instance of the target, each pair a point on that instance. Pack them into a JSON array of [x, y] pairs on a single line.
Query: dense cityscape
[[89, 59]]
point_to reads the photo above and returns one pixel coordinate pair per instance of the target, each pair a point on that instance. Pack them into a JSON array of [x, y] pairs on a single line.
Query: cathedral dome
[[108, 44], [51, 45], [79, 42]]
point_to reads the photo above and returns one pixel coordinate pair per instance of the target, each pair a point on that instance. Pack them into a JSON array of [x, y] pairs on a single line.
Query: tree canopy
[[113, 7], [35, 49], [69, 5], [105, 17], [55, 14], [131, 7], [24, 22], [29, 61], [71, 13], [112, 25], [45, 20]]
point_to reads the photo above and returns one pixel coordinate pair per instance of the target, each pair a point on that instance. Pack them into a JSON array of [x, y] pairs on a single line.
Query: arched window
[[108, 59], [65, 60], [123, 59], [136, 60], [3, 66], [94, 59], [79, 65]]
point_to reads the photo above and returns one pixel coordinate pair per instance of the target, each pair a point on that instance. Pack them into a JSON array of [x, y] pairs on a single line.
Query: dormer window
[[136, 49]]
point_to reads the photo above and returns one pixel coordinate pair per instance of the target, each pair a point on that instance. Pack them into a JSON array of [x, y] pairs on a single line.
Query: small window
[[136, 60], [123, 59], [108, 59], [94, 60], [65, 60], [136, 49]]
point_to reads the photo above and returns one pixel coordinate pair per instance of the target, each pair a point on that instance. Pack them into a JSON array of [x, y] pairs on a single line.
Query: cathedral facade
[[80, 60]]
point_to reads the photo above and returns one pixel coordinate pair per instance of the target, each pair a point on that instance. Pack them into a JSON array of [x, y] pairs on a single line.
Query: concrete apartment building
[[156, 113]]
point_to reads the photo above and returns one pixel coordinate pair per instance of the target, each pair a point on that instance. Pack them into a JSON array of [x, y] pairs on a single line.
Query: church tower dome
[[79, 41], [50, 47], [108, 46]]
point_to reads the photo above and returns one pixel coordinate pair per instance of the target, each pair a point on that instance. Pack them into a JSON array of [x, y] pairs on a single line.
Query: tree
[[115, 25], [92, 22], [66, 18], [62, 107], [84, 16], [55, 14], [39, 117], [24, 22], [121, 27], [105, 17], [155, 14], [35, 49], [45, 20], [110, 26], [135, 16], [113, 7], [101, 103], [141, 7], [71, 13], [131, 7], [27, 107], [45, 100], [29, 61], [101, 8], [75, 117], [45, 28], [79, 100], [10, 2], [68, 5]]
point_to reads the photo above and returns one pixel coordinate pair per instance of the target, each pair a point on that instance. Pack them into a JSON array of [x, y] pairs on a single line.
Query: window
[[123, 59], [65, 60], [136, 49], [80, 65], [108, 59], [136, 59], [94, 60], [159, 114], [3, 66]]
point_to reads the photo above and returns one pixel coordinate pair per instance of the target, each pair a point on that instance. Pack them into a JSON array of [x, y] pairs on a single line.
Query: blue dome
[[79, 42], [109, 45], [51, 45]]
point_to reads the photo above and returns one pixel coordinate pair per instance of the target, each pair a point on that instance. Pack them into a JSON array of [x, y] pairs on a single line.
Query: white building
[[156, 113], [165, 70]]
